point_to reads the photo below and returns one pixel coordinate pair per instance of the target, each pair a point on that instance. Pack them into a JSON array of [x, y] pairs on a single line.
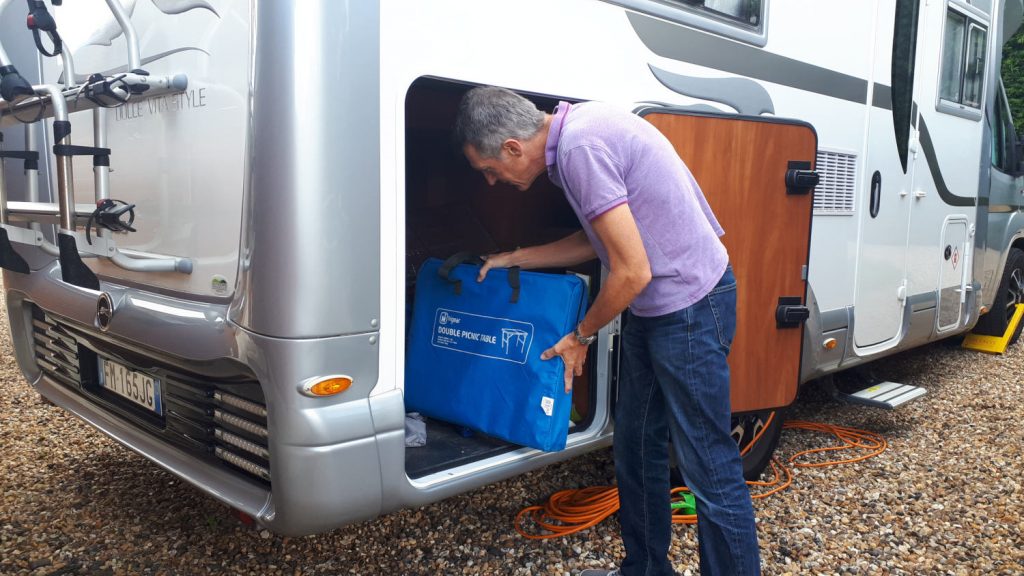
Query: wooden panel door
[[741, 164]]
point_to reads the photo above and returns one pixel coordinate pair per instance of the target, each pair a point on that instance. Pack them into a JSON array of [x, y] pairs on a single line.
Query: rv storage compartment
[[450, 208], [474, 350]]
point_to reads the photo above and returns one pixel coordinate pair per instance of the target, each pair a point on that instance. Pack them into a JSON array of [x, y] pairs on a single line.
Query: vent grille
[[223, 422], [56, 351], [836, 190]]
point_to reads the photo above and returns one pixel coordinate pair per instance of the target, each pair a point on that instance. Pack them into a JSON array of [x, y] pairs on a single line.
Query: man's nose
[[491, 179]]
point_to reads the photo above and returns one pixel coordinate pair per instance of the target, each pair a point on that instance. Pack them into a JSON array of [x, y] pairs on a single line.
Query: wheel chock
[[995, 344]]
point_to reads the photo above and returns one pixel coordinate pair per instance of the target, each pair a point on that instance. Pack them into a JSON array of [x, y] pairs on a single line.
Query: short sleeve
[[595, 180]]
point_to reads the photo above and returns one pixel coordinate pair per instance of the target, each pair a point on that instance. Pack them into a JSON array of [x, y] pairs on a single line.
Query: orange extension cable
[[570, 511]]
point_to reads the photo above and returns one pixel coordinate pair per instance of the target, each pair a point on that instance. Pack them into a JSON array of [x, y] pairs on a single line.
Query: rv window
[[975, 66], [963, 61], [742, 20], [739, 11], [952, 57], [983, 5]]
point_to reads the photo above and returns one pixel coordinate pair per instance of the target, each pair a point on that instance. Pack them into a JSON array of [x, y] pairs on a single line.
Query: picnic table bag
[[474, 349]]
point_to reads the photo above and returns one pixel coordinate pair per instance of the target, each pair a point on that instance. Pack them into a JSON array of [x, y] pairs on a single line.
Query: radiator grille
[[223, 422], [836, 190]]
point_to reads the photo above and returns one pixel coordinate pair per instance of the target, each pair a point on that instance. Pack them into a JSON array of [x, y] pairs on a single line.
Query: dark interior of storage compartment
[[450, 208]]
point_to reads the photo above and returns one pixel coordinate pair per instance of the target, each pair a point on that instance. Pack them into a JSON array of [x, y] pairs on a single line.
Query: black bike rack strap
[[31, 157], [40, 21], [72, 269], [61, 130], [13, 85], [9, 259], [73, 150]]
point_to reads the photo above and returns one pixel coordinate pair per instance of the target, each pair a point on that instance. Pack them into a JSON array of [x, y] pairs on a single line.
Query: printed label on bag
[[487, 336], [548, 404]]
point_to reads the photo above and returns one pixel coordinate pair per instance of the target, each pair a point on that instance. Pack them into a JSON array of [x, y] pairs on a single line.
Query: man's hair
[[489, 115]]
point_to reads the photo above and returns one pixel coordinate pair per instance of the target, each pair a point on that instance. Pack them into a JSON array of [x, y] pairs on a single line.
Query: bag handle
[[445, 271], [513, 283]]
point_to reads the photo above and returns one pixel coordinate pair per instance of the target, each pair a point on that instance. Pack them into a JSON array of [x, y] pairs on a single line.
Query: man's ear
[[513, 147]]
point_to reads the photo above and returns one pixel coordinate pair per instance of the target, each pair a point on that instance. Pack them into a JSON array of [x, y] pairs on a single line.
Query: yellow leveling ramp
[[995, 344]]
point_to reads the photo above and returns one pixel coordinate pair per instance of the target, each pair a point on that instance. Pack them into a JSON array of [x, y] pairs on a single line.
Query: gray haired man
[[646, 218]]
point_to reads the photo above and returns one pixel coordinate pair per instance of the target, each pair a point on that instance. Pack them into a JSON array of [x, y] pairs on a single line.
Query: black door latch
[[800, 179], [790, 312]]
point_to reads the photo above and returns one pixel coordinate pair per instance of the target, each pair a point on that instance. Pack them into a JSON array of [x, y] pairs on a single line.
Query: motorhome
[[214, 211]]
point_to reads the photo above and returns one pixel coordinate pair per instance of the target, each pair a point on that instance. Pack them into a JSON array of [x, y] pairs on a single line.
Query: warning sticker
[[487, 336]]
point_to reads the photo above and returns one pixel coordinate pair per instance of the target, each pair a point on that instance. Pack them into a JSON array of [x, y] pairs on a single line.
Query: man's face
[[510, 166]]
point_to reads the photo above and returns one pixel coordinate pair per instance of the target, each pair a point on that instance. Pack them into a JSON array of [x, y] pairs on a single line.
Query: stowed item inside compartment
[[474, 351]]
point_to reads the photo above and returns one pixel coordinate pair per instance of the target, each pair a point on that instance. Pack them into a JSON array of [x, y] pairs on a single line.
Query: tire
[[1008, 295], [757, 435], [747, 428]]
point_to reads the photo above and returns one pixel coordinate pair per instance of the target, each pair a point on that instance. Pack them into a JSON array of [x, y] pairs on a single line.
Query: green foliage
[[1013, 77]]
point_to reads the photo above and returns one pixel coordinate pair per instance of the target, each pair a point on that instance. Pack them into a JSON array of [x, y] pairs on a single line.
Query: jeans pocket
[[722, 301]]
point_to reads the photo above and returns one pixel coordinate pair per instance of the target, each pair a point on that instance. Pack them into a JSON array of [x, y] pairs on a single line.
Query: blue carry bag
[[474, 350]]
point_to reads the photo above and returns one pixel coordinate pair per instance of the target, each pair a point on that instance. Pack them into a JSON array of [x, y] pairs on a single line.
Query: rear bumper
[[316, 488], [324, 461], [223, 485]]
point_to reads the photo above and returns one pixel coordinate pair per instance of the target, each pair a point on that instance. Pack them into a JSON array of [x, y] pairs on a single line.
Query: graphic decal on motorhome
[[486, 336], [678, 43], [109, 30], [742, 94], [179, 6], [675, 42], [933, 166]]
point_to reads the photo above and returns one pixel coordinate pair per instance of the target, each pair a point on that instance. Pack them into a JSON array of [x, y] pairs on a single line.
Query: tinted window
[[952, 57], [964, 44], [974, 67]]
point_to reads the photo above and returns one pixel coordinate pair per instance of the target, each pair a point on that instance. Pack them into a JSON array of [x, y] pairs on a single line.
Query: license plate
[[136, 386]]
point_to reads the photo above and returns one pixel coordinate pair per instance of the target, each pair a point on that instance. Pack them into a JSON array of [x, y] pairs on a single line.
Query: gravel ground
[[945, 498]]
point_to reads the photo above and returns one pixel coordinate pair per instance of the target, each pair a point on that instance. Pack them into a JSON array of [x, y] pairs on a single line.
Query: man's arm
[[629, 273], [569, 251]]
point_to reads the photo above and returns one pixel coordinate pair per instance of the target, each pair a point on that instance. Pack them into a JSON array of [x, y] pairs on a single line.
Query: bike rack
[[52, 101]]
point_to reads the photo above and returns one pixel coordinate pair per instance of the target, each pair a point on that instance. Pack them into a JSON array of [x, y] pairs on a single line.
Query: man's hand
[[572, 353], [500, 260]]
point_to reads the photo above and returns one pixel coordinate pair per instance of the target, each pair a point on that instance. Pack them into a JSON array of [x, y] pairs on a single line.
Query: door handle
[[800, 179], [790, 313], [876, 193]]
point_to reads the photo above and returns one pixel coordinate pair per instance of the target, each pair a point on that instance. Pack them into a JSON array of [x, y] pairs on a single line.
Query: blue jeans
[[675, 381]]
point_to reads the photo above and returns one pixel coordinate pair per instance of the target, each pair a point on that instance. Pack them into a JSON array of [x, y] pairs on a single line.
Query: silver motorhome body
[[307, 166]]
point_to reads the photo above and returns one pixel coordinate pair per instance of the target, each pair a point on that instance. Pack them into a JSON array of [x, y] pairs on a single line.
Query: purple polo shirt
[[602, 157]]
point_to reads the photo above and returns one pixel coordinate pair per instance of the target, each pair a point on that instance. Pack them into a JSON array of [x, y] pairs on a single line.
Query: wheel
[[756, 434], [1008, 295]]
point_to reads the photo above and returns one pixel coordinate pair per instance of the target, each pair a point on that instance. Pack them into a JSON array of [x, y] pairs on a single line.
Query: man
[[645, 217]]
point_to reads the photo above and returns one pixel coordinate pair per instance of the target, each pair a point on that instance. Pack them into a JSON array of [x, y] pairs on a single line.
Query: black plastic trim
[[72, 269], [9, 259]]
